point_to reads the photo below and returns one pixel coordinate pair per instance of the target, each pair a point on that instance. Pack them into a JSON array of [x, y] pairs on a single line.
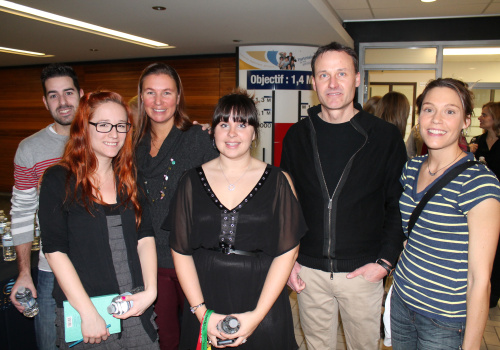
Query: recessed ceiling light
[[29, 12], [427, 0], [23, 52], [159, 8], [471, 51], [94, 50]]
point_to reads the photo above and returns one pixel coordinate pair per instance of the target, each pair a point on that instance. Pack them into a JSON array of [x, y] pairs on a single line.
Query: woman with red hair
[[98, 238]]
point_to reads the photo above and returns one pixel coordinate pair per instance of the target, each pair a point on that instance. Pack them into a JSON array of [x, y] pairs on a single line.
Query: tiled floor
[[491, 338]]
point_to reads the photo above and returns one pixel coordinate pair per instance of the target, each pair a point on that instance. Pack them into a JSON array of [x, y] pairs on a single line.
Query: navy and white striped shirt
[[431, 276]]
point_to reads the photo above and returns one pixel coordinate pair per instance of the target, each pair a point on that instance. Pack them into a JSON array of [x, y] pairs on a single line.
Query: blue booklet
[[73, 322]]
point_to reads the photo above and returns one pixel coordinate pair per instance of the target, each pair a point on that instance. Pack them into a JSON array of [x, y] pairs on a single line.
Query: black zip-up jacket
[[361, 222]]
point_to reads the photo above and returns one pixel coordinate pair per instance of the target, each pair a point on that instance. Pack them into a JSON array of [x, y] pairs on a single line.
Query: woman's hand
[[212, 331], [141, 300], [94, 328], [249, 321], [473, 147]]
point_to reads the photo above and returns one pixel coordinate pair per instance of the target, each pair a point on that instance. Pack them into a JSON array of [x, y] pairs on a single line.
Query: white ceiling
[[201, 27]]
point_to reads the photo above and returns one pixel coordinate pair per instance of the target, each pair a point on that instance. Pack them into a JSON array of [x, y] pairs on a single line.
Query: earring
[[465, 132], [213, 145], [253, 144]]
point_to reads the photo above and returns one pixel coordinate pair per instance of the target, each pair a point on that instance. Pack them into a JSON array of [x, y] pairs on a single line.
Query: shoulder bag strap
[[435, 189]]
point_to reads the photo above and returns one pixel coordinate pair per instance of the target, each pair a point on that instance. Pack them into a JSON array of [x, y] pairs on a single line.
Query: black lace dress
[[268, 222]]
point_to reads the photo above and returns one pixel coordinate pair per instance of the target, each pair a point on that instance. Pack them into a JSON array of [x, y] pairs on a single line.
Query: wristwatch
[[386, 266]]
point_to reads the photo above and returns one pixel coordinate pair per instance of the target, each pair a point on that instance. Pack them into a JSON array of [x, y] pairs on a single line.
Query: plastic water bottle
[[9, 252], [25, 298], [228, 325], [36, 238], [119, 306], [3, 223]]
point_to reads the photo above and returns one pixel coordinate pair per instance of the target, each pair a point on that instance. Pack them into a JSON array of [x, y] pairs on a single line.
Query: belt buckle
[[226, 250]]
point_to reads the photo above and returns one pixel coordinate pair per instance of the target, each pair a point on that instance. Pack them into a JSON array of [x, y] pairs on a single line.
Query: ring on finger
[[244, 341]]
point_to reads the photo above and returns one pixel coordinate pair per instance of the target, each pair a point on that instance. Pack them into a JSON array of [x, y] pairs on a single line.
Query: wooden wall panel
[[22, 113]]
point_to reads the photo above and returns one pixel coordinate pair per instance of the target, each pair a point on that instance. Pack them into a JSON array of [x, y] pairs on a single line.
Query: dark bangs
[[241, 107]]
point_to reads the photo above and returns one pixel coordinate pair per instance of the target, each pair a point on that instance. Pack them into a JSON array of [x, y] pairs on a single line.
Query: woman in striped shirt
[[441, 284]]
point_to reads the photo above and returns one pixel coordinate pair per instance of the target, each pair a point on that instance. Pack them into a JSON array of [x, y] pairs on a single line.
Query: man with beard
[[35, 154]]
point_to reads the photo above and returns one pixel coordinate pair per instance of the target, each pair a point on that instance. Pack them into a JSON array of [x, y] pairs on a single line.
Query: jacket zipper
[[330, 201]]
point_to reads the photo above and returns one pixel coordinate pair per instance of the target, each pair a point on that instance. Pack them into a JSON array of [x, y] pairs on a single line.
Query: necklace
[[101, 184], [164, 184], [154, 144], [437, 171], [232, 186]]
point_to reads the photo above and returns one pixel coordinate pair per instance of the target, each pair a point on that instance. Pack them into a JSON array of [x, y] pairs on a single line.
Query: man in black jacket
[[346, 166]]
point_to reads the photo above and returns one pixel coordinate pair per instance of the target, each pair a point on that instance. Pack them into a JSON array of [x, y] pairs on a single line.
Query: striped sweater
[[34, 154], [431, 276]]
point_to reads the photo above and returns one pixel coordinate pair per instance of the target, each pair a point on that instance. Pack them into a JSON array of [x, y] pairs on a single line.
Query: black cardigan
[[67, 227], [361, 222], [188, 149], [491, 156]]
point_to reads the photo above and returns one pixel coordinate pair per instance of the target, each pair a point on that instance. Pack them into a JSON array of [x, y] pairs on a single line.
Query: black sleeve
[[51, 213], [179, 220], [146, 227], [291, 222], [393, 237]]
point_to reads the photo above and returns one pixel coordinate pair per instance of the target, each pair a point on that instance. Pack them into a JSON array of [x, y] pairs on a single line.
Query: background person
[[236, 226], [394, 108], [488, 146], [167, 145], [442, 281], [371, 104], [97, 238], [61, 96]]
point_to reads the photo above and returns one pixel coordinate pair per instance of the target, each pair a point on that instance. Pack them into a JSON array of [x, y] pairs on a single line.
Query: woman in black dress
[[236, 227]]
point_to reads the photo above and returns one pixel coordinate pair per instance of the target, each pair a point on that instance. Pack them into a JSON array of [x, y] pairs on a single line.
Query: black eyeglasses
[[107, 127]]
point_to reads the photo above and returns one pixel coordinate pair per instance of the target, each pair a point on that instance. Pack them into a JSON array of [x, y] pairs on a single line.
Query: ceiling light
[[29, 12], [159, 8], [23, 52], [471, 51], [427, 0]]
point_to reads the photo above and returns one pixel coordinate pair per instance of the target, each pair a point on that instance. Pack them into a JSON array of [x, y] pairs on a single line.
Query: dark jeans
[[45, 321], [411, 330]]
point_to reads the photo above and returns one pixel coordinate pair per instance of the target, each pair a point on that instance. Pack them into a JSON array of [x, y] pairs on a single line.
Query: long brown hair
[[80, 160], [494, 109], [181, 119], [394, 108]]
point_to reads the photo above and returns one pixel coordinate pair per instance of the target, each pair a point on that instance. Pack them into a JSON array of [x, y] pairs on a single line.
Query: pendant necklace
[[232, 186], [437, 171]]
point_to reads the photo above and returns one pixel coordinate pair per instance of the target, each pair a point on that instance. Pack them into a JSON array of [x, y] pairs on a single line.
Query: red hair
[[80, 160]]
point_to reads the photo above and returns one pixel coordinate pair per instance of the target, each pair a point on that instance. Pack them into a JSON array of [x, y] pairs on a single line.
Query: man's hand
[[294, 280], [204, 127], [371, 272], [22, 280]]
